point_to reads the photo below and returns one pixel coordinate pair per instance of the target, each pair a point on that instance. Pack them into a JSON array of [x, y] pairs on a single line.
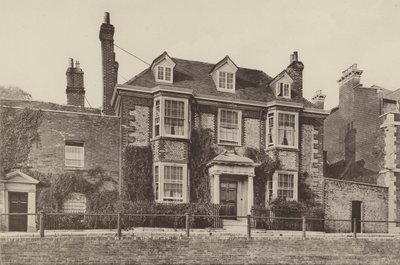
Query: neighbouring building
[[361, 144], [73, 138]]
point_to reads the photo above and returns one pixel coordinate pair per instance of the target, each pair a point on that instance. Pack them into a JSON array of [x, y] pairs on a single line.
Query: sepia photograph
[[199, 132]]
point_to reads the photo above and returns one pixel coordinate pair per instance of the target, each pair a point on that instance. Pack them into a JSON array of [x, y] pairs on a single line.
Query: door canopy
[[229, 162]]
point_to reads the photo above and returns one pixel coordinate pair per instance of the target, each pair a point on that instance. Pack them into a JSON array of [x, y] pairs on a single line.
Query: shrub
[[180, 209]]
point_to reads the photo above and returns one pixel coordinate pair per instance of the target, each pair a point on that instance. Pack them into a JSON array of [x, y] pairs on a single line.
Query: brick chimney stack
[[319, 99], [350, 77], [295, 70], [75, 84], [110, 66]]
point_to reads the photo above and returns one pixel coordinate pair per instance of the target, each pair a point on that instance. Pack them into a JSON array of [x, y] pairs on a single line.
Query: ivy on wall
[[18, 131], [137, 177], [201, 152], [263, 171], [52, 190]]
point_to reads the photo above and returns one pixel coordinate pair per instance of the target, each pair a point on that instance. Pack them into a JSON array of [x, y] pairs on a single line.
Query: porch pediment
[[229, 162], [19, 177]]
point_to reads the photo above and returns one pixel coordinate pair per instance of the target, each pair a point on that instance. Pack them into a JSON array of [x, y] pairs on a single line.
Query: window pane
[[222, 79], [287, 129], [229, 81], [229, 126], [160, 73], [271, 131], [167, 73], [173, 183], [74, 155], [285, 186], [174, 117]]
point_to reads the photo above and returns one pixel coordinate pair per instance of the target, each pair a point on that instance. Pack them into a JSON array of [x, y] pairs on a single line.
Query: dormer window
[[283, 90], [224, 75], [163, 67], [225, 80], [163, 73]]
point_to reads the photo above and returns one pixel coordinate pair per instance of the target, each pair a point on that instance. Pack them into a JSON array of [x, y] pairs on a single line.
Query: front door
[[18, 204], [356, 214], [228, 201]]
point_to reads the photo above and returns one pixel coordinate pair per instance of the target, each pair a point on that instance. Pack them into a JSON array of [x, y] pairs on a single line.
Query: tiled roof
[[46, 106], [250, 84]]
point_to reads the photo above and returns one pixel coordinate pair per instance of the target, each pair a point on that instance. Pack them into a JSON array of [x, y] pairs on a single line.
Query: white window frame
[[275, 136], [224, 87], [286, 89], [161, 169], [81, 147], [239, 136], [163, 73], [275, 181], [161, 122]]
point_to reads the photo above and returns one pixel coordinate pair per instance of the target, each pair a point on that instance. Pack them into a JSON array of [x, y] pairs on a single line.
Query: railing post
[[41, 223], [355, 228], [187, 224], [119, 223], [248, 226], [304, 227]]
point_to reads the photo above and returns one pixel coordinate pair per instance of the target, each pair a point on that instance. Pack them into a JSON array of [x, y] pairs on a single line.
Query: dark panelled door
[[228, 198], [356, 213], [18, 204]]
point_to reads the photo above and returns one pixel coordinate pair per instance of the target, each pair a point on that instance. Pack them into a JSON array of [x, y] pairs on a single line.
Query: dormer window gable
[[224, 75], [282, 85], [163, 69]]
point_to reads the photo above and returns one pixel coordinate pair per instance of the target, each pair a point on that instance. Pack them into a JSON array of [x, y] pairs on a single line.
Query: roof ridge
[[211, 64]]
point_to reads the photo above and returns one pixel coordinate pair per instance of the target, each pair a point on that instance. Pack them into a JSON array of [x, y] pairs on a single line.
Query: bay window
[[229, 128], [282, 129], [170, 117], [283, 185], [170, 182]]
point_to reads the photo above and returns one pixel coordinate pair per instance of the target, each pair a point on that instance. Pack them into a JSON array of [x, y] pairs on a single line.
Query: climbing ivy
[[263, 171], [137, 177], [18, 131], [201, 152], [52, 189]]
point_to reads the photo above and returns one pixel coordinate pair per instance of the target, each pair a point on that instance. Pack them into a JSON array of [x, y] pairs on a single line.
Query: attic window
[[226, 81], [283, 90], [164, 73]]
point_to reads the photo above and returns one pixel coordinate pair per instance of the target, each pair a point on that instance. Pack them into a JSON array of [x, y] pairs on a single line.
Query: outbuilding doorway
[[356, 214], [18, 204]]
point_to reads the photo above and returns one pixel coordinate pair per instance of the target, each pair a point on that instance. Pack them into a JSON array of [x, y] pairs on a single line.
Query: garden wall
[[197, 250]]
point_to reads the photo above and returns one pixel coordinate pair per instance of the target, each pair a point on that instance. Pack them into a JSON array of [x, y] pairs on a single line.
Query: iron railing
[[185, 223]]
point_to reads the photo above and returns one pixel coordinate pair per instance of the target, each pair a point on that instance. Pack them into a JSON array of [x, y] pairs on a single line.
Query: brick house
[[243, 108], [362, 146], [73, 138]]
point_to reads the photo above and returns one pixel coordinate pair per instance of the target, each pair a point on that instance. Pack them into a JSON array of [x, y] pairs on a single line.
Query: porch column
[[216, 189], [250, 194]]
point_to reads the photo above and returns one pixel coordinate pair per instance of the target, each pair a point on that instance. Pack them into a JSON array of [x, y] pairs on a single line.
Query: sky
[[38, 36]]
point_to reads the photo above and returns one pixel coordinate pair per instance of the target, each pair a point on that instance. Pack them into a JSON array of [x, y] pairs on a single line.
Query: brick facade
[[197, 250], [99, 134], [339, 195]]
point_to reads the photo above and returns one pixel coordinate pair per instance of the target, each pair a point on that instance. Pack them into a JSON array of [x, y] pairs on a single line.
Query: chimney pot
[[295, 56], [106, 18], [71, 63], [77, 65]]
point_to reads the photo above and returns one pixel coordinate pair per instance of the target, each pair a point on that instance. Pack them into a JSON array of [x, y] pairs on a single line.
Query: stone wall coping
[[357, 183], [63, 111]]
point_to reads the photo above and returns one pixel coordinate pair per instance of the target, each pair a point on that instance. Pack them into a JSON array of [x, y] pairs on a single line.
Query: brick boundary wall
[[197, 250]]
